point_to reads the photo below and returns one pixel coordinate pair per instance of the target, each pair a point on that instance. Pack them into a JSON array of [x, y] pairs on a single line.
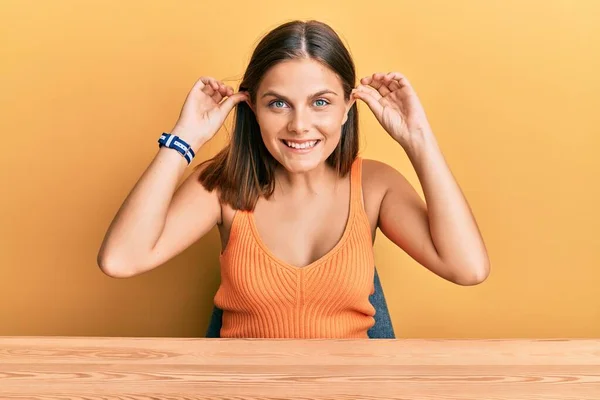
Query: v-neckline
[[324, 257]]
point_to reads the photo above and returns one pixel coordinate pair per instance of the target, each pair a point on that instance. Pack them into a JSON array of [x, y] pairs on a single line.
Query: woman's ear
[[249, 102], [249, 97], [252, 107], [348, 107]]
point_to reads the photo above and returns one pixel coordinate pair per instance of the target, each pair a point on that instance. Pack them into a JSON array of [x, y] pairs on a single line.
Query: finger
[[390, 82], [221, 92], [217, 96], [374, 92], [371, 101], [201, 82], [211, 86], [214, 84], [378, 83], [224, 91], [205, 84], [232, 100], [366, 80], [394, 85], [370, 78], [208, 90], [402, 81], [398, 76], [222, 88]]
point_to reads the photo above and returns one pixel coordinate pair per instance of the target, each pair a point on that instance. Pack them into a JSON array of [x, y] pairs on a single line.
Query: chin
[[300, 166]]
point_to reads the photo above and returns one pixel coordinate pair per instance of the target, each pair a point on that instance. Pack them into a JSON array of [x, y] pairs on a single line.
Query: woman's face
[[300, 108]]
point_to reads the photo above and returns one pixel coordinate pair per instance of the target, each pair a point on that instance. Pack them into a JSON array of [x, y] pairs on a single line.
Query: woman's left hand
[[396, 106]]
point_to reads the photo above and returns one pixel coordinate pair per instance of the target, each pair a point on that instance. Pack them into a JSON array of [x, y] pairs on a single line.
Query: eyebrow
[[319, 93]]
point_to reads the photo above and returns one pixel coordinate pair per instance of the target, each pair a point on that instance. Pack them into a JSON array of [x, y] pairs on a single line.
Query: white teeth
[[304, 145]]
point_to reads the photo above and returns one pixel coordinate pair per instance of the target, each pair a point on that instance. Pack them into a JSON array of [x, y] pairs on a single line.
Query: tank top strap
[[356, 200]]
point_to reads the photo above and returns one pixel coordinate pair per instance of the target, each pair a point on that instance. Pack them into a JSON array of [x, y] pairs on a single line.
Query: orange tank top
[[264, 297]]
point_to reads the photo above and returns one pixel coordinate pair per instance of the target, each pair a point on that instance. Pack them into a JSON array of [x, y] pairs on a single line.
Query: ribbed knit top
[[263, 296]]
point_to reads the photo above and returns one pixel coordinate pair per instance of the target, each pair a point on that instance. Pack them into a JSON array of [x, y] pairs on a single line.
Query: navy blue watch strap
[[176, 143]]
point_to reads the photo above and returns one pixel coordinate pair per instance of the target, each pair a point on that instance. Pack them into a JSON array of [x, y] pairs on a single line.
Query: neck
[[310, 182]]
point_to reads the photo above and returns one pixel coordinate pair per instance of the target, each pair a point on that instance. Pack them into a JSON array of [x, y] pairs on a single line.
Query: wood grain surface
[[102, 368]]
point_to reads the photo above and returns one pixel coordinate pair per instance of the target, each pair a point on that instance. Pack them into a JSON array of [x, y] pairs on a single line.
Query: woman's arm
[[441, 233], [158, 220]]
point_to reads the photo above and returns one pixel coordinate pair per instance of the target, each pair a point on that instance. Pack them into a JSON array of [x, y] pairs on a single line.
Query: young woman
[[296, 207]]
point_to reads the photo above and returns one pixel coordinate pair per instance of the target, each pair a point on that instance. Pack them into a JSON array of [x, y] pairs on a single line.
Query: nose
[[299, 121]]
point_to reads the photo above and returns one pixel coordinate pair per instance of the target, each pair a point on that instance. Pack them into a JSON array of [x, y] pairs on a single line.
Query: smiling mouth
[[309, 144]]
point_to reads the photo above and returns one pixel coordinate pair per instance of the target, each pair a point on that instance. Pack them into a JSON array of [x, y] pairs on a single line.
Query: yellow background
[[510, 88]]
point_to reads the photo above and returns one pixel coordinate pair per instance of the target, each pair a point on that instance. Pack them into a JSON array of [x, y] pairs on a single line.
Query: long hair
[[245, 170]]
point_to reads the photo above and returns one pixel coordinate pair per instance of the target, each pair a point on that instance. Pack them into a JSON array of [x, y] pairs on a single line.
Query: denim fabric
[[382, 329], [214, 326]]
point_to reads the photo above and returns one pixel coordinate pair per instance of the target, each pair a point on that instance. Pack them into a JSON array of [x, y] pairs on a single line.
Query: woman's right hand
[[204, 112]]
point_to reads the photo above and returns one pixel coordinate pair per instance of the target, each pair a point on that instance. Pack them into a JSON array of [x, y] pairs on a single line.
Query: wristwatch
[[175, 142]]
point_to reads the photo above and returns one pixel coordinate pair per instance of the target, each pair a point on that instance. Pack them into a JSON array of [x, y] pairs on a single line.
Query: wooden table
[[99, 368]]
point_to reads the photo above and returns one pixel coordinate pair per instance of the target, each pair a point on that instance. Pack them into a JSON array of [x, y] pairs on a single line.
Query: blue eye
[[274, 103], [281, 104]]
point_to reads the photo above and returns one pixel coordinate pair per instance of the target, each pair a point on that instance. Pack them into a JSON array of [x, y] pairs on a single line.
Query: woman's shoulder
[[375, 185], [377, 174], [381, 178]]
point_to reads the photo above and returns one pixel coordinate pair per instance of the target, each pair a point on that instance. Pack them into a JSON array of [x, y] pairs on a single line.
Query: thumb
[[227, 105]]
